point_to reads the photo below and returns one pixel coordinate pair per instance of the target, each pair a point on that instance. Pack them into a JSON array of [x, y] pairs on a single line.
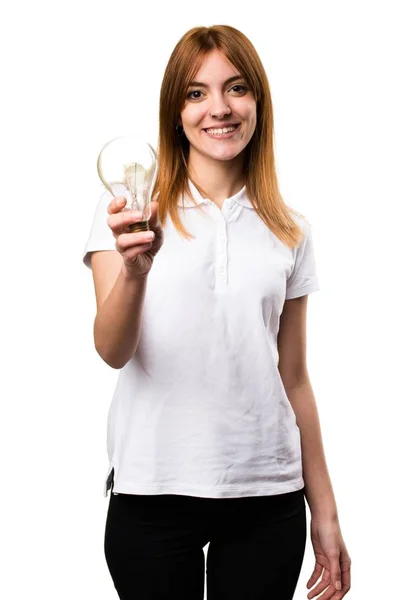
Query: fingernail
[[120, 201], [338, 585]]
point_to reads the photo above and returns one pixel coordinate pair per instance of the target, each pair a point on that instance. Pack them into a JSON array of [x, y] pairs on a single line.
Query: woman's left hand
[[332, 557]]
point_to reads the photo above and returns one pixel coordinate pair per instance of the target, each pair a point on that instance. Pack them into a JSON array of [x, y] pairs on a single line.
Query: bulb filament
[[134, 175]]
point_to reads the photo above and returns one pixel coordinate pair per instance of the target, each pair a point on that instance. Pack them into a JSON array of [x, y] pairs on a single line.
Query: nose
[[219, 108]]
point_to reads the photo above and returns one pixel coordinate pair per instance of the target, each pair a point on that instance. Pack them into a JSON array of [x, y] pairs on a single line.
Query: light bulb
[[127, 166]]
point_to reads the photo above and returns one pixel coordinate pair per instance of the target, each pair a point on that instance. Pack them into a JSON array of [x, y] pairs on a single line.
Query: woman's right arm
[[120, 298], [120, 281]]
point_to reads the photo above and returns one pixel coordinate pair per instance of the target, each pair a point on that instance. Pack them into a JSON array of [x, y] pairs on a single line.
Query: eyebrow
[[200, 84]]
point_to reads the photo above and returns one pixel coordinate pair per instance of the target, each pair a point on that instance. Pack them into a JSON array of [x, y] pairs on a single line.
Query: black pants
[[154, 546]]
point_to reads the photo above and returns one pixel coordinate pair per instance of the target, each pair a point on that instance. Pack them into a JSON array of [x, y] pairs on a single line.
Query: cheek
[[253, 114], [192, 116], [185, 115], [253, 121]]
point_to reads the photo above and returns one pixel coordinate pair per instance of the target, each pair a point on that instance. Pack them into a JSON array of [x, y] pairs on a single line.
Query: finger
[[128, 240], [334, 568], [321, 586], [133, 252], [333, 577], [330, 594], [345, 578], [317, 572], [116, 205], [119, 223]]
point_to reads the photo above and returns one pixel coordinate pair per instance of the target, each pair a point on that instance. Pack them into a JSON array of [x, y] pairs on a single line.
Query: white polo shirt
[[200, 409]]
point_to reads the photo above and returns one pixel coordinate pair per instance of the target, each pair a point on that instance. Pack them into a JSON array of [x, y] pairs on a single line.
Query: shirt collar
[[240, 197]]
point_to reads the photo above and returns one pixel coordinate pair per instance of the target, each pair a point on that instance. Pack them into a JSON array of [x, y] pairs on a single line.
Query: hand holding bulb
[[138, 249], [127, 166]]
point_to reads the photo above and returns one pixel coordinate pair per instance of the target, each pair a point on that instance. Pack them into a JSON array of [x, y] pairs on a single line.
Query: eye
[[242, 89], [189, 95]]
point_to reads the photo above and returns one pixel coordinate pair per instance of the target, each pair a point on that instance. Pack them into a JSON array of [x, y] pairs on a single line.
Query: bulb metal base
[[139, 226]]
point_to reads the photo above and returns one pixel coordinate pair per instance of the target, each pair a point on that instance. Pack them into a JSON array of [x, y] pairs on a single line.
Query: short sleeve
[[101, 236], [303, 278]]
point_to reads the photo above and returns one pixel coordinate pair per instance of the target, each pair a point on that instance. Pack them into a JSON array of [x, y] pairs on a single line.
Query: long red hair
[[173, 149]]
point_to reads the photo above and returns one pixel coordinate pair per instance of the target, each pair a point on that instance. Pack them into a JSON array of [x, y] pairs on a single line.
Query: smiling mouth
[[209, 130]]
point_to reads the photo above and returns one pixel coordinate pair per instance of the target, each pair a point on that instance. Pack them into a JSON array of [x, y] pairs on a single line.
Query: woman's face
[[215, 104]]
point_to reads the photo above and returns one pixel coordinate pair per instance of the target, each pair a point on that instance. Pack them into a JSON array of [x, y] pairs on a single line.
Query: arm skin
[[293, 371]]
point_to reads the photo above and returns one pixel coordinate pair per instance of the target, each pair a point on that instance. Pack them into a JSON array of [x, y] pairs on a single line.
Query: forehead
[[214, 66]]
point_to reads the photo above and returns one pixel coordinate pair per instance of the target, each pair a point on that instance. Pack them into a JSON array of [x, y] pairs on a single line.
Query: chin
[[220, 158]]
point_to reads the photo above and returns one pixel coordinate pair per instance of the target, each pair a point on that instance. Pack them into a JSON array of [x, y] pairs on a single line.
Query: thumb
[[335, 574]]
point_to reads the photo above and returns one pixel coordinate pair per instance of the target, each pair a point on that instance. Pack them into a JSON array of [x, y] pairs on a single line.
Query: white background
[[75, 75]]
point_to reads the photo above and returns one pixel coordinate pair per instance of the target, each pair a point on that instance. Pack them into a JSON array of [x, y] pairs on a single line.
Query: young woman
[[213, 432]]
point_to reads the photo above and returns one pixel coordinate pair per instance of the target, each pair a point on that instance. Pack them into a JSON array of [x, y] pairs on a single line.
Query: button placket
[[221, 217], [222, 249]]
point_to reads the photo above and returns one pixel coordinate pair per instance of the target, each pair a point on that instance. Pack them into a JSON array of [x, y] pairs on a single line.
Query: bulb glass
[[127, 166]]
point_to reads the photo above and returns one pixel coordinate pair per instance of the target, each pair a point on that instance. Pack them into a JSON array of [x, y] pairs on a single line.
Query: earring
[[179, 129]]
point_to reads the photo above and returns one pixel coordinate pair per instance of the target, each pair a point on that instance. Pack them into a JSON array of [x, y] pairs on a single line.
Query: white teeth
[[220, 131]]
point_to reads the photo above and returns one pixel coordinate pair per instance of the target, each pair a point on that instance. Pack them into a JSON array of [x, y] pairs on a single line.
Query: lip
[[220, 126], [222, 136]]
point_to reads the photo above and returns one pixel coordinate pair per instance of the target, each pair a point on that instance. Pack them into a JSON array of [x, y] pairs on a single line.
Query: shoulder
[[300, 219], [304, 225]]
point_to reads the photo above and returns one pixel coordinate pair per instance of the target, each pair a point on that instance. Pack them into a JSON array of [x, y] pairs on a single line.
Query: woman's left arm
[[330, 551], [318, 487]]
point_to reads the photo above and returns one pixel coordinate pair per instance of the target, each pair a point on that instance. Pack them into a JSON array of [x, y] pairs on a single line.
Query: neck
[[220, 179]]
